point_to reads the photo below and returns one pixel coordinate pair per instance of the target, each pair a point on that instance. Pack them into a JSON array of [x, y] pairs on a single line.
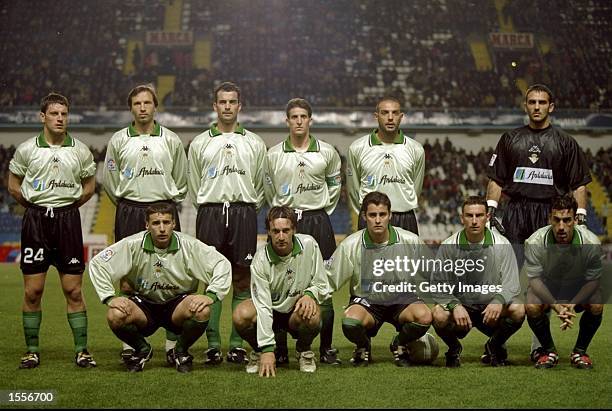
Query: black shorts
[[280, 322], [231, 230], [52, 236], [382, 313], [523, 216], [158, 314], [406, 220], [130, 217], [317, 224]]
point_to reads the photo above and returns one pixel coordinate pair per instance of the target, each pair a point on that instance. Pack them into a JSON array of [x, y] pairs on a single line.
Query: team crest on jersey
[[228, 152], [302, 169], [212, 172], [107, 254], [387, 160], [290, 277], [370, 181], [534, 154], [55, 165], [158, 268], [144, 153], [285, 189], [111, 165]]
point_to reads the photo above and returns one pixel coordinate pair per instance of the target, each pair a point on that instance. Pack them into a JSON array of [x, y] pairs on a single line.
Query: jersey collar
[[147, 243], [214, 131], [274, 258], [549, 238], [375, 141], [41, 142], [465, 244], [156, 130], [367, 242], [313, 145]]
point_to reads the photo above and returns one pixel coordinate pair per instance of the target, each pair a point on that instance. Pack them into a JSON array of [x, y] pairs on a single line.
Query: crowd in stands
[[344, 53]]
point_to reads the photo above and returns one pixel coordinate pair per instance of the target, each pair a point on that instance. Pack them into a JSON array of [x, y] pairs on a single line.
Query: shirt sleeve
[[19, 163], [211, 267], [262, 300], [194, 171], [333, 179], [419, 172], [111, 172], [269, 185], [577, 169], [339, 268], [319, 285], [88, 165], [108, 266], [498, 167], [179, 169], [353, 183], [509, 273], [258, 181]]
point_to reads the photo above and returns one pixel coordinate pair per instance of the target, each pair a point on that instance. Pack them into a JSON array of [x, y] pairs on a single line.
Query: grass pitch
[[382, 385]]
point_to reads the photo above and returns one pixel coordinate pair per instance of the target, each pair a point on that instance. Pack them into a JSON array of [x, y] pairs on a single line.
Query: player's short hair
[[388, 97], [539, 87], [299, 103], [565, 202], [473, 200], [226, 86], [376, 198], [281, 212], [161, 208], [139, 89], [53, 98]]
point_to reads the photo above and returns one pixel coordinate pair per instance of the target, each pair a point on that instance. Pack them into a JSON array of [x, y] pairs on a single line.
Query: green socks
[[212, 332], [192, 330], [411, 331], [355, 332], [589, 323], [78, 325], [327, 327], [237, 298], [31, 329], [130, 335], [541, 328]]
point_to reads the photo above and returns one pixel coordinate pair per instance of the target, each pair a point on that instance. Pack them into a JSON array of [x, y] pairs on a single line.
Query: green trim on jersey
[[368, 243], [147, 243], [42, 142], [375, 141], [132, 132], [313, 145], [549, 237], [214, 130], [274, 258], [464, 242]]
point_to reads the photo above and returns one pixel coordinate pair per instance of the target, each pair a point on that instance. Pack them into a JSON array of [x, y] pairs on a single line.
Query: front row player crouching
[[363, 318], [288, 283], [496, 315], [563, 264], [163, 268]]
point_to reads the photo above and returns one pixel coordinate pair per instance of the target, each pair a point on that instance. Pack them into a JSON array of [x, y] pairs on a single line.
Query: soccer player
[[163, 268], [532, 165], [52, 175], [288, 282], [226, 168], [563, 264], [145, 163], [363, 317], [487, 260], [388, 161], [304, 173]]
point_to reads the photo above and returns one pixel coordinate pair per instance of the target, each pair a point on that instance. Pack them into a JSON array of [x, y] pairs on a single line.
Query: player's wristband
[[451, 306]]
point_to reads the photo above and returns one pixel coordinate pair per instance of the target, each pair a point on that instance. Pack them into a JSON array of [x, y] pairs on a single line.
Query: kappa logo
[[248, 257], [74, 260], [387, 160], [158, 264]]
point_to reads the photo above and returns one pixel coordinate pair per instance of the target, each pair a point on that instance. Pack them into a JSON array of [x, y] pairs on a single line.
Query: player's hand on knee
[[491, 314], [197, 303], [462, 318], [306, 307], [267, 365], [121, 304]]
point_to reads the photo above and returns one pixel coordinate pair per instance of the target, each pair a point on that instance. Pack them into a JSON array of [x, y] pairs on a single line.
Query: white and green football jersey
[[395, 169], [277, 283], [145, 167], [226, 167], [157, 274], [52, 174], [307, 180]]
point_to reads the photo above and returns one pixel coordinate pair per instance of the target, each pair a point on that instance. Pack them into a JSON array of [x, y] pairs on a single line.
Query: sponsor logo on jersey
[[111, 165], [308, 187], [333, 181], [38, 184], [227, 170], [74, 260], [212, 172], [107, 254], [128, 172], [285, 189], [60, 184], [533, 176], [391, 180], [150, 172], [163, 286], [492, 161], [370, 181]]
